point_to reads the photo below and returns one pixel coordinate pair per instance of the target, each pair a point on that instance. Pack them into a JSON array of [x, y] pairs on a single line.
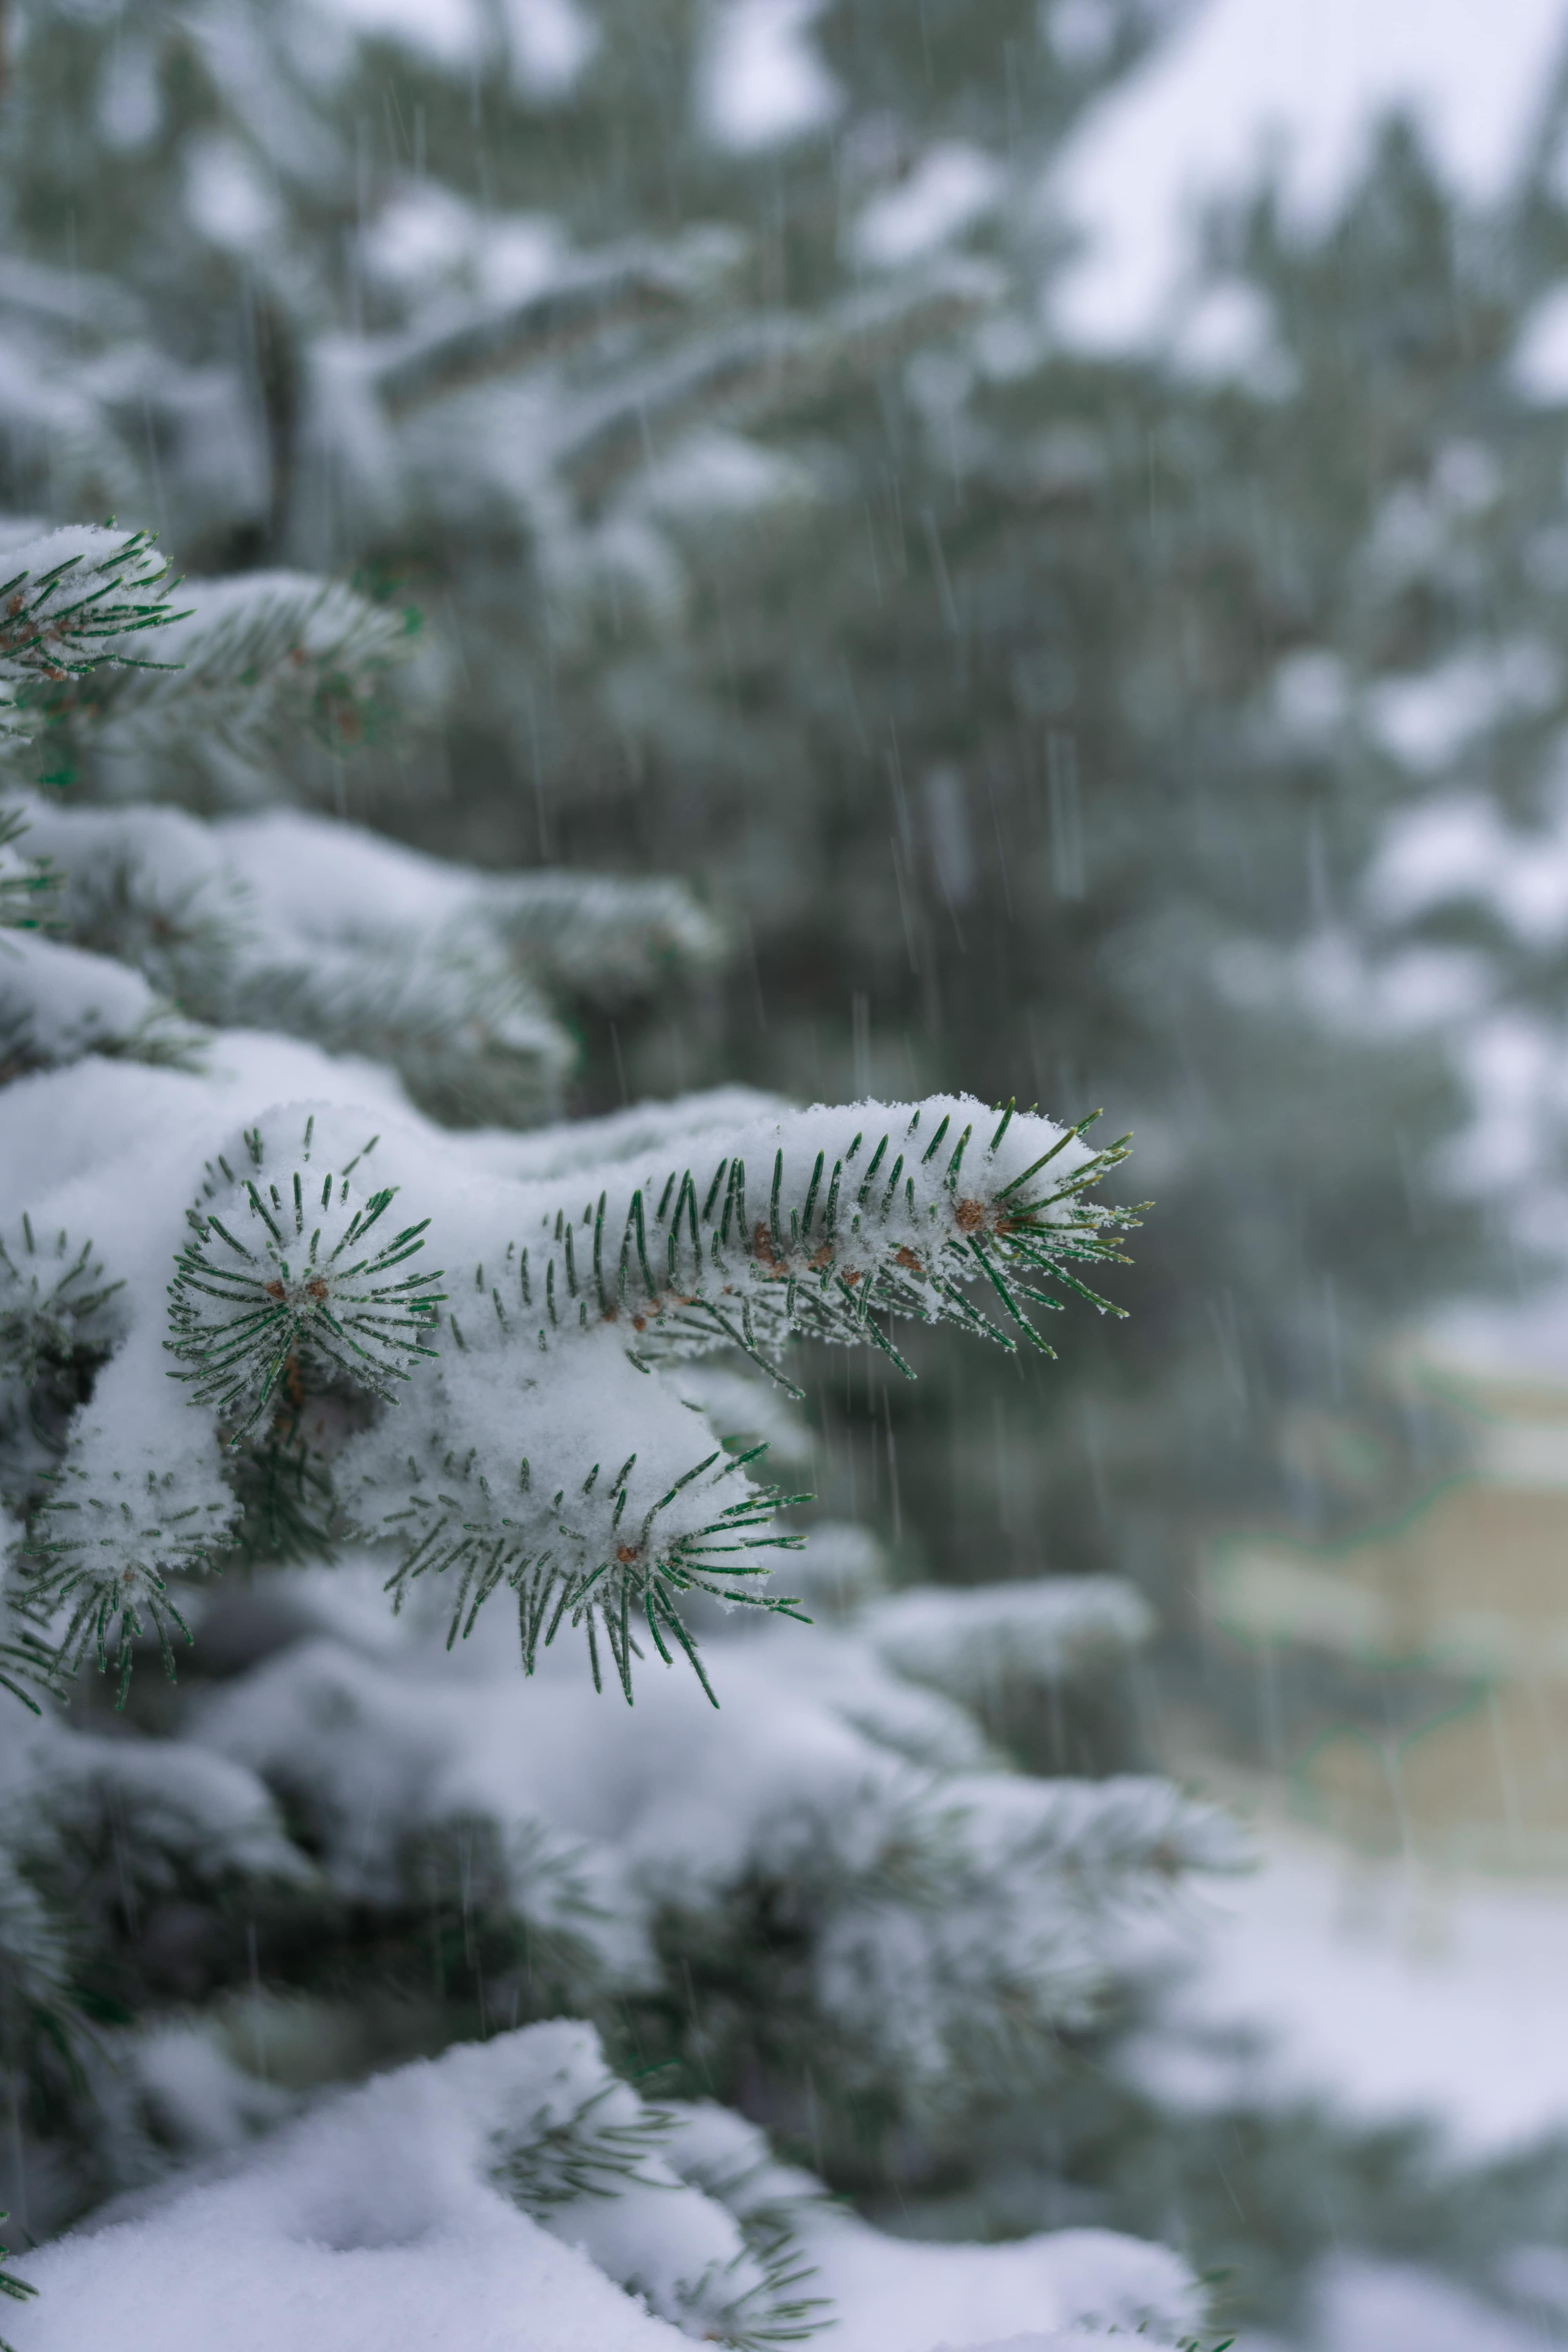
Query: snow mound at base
[[513, 2196]]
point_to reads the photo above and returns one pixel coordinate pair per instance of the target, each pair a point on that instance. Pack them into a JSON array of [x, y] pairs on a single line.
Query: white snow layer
[[974, 1643], [819, 1760], [391, 2214], [533, 1377], [58, 1002]]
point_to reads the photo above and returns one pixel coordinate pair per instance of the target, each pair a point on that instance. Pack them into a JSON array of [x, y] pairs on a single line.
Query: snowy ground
[[1384, 2307], [1393, 1992], [1397, 1993]]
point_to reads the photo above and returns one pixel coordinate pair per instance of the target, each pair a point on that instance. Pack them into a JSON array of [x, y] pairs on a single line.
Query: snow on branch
[[807, 1228], [973, 1643], [287, 921], [510, 1478], [582, 298], [593, 2162], [247, 1313], [60, 1002], [605, 937], [470, 1038], [89, 640], [26, 886], [112, 1529], [249, 660], [674, 2214], [480, 1378], [70, 604], [949, 1920], [29, 1669], [55, 1319], [759, 369]]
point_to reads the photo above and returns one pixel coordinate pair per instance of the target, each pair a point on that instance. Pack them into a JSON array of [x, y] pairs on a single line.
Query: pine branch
[[296, 1282], [90, 606], [465, 1032], [731, 2162], [58, 1003], [619, 288], [19, 2290], [248, 663], [971, 1932], [147, 888], [726, 372], [760, 370], [105, 1559], [608, 939], [596, 2146], [758, 2313], [579, 1560], [28, 1663], [27, 886], [287, 1511], [818, 1246], [53, 1303], [598, 2139], [690, 1266], [398, 957], [282, 1275], [975, 1642]]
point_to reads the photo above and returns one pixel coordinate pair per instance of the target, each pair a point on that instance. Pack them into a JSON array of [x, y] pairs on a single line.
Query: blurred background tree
[[1104, 727], [1019, 711]]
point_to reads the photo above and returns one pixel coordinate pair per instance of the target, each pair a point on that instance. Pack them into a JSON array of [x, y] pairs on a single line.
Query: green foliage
[[607, 2142], [17, 2289], [58, 1323], [29, 1667], [286, 1508], [281, 1306], [106, 1555], [578, 1579], [586, 2152], [826, 1252], [252, 670], [891, 1230], [53, 1324], [980, 739], [26, 888], [59, 626]]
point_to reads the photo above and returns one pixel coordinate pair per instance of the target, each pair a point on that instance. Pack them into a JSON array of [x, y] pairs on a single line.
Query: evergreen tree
[[259, 1311], [1025, 719], [765, 530]]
